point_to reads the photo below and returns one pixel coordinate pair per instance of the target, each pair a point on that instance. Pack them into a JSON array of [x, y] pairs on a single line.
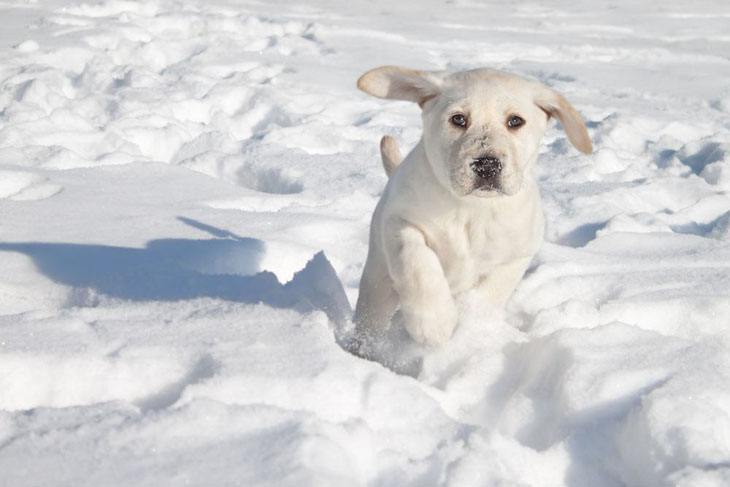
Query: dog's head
[[481, 128]]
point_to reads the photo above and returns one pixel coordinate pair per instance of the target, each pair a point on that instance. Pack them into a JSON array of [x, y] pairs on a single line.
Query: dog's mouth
[[487, 191], [489, 185], [492, 187], [480, 187]]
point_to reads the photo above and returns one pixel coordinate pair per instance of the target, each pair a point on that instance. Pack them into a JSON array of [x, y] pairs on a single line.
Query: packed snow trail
[[170, 172]]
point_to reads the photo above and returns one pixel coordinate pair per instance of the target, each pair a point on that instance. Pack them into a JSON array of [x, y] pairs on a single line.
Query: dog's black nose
[[486, 167]]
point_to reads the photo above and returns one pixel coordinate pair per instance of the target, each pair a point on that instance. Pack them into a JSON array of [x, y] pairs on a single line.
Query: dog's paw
[[431, 325]]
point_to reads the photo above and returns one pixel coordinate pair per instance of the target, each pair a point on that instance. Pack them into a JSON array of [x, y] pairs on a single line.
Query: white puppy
[[462, 211]]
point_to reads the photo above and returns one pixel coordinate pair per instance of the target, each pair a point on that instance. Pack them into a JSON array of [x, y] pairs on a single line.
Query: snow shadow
[[581, 235], [225, 267], [205, 368]]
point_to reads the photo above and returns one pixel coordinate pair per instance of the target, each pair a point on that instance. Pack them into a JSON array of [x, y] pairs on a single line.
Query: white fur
[[435, 232]]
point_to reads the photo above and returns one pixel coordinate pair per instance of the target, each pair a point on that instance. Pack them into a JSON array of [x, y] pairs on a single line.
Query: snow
[[185, 191]]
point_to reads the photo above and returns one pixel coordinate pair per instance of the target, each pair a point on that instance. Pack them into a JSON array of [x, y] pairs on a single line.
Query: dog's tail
[[390, 153]]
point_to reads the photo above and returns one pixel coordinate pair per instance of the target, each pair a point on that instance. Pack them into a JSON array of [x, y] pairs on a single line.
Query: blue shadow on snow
[[226, 267]]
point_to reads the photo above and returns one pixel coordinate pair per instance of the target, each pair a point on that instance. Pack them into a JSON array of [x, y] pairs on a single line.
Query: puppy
[[462, 211]]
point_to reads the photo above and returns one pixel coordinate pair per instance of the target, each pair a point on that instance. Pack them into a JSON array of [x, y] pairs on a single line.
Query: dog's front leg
[[497, 286], [428, 309], [377, 300]]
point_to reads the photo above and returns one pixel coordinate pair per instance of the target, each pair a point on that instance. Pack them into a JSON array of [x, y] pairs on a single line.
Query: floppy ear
[[398, 83], [555, 104]]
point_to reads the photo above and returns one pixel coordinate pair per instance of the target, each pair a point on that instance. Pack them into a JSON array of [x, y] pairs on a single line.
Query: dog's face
[[482, 128], [482, 132]]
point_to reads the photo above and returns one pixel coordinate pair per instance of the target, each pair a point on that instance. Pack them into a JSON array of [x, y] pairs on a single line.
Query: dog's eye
[[515, 121], [459, 120]]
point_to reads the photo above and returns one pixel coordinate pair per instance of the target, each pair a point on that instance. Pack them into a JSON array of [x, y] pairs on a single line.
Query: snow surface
[[169, 168]]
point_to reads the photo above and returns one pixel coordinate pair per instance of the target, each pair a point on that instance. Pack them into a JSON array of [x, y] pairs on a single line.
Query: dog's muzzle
[[487, 168]]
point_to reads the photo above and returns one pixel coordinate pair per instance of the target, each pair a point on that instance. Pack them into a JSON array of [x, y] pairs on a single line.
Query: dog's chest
[[471, 244]]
